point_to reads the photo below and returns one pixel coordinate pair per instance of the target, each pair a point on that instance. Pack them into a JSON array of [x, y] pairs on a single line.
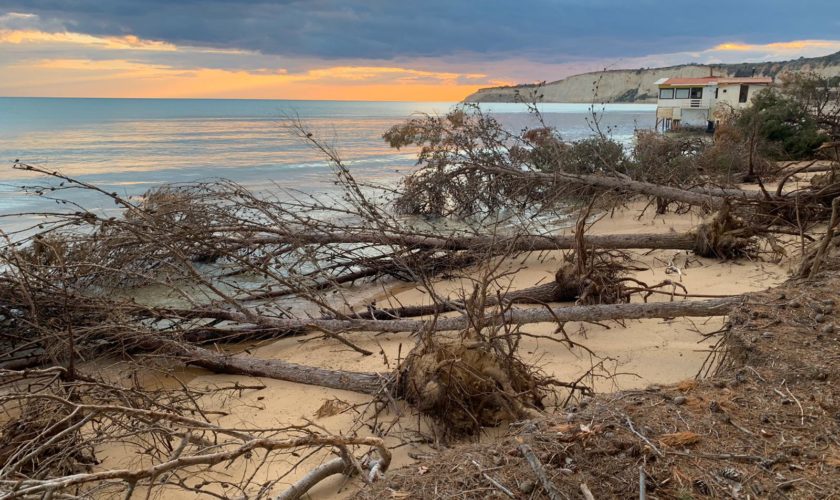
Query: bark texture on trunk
[[362, 382], [677, 241], [373, 383]]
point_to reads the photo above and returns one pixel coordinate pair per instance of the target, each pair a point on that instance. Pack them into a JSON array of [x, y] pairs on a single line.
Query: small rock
[[679, 400], [828, 302], [767, 335], [529, 428], [527, 486], [827, 329], [819, 318], [794, 304]]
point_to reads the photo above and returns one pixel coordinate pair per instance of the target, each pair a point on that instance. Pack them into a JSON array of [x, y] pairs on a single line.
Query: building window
[[696, 92], [745, 91], [681, 93], [666, 93]]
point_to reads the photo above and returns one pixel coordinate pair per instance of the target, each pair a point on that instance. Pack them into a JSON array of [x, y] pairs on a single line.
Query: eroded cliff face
[[637, 85]]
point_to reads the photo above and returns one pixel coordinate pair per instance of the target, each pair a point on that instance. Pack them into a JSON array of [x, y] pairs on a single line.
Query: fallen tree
[[232, 266]]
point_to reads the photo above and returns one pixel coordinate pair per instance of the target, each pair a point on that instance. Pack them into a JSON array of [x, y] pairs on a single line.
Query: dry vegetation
[[229, 266]]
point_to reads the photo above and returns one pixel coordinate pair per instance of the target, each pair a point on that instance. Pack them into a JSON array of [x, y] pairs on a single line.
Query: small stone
[[819, 318], [527, 486], [827, 329], [828, 302], [794, 304], [767, 335], [529, 427], [679, 400]]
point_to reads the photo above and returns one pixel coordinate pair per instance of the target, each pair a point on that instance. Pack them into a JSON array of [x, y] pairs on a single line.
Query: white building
[[697, 101]]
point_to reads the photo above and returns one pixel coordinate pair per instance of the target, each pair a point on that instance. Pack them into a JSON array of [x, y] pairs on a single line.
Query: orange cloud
[[125, 78], [777, 46], [135, 75], [128, 42]]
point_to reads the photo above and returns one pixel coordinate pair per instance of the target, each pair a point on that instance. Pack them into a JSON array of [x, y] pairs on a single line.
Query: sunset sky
[[378, 49]]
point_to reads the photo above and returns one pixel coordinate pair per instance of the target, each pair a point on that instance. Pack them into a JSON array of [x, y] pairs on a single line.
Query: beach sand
[[636, 355]]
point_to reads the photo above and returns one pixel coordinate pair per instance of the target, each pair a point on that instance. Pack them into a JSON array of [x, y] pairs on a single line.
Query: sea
[[129, 146]]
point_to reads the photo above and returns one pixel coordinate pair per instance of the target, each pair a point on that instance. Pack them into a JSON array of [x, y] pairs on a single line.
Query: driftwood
[[374, 383], [365, 383], [539, 471], [521, 243], [315, 476], [518, 316]]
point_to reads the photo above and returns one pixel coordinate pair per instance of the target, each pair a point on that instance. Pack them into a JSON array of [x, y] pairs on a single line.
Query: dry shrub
[[40, 431], [586, 156], [665, 159], [467, 385]]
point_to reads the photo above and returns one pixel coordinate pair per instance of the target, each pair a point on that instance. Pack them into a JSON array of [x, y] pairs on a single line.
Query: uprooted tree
[[236, 266]]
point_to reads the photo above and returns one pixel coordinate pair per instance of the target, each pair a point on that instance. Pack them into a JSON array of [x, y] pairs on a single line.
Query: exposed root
[[725, 237], [469, 385]]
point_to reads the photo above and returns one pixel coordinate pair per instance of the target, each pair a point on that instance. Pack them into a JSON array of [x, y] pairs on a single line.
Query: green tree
[[782, 124]]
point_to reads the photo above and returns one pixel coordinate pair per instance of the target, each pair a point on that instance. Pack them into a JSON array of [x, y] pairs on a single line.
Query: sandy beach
[[636, 355]]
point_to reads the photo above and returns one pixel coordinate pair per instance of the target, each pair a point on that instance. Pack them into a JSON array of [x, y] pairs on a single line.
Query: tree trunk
[[540, 294], [676, 241], [365, 383], [373, 383], [517, 316], [711, 197]]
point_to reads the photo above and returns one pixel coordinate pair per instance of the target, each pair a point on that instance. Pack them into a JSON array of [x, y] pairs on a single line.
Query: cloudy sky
[[379, 49]]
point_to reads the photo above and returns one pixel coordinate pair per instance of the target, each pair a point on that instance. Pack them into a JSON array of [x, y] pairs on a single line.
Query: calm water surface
[[131, 145]]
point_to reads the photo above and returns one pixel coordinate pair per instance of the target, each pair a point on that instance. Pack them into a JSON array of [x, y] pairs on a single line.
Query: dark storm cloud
[[554, 30]]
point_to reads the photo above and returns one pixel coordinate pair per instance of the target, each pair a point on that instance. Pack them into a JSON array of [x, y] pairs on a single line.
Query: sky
[[429, 50]]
